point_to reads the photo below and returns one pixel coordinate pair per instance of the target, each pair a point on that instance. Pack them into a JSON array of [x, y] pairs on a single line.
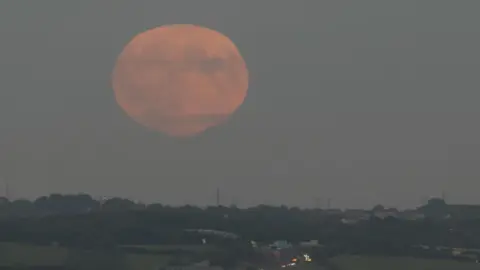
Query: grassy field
[[394, 263], [29, 255], [142, 262], [14, 254], [162, 248], [22, 254]]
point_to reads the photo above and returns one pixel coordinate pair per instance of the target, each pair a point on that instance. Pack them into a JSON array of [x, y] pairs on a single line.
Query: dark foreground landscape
[[78, 232]]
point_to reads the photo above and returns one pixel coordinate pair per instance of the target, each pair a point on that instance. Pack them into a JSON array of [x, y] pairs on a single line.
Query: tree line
[[81, 221]]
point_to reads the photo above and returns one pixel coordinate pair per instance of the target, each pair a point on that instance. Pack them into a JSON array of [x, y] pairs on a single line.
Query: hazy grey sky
[[362, 101]]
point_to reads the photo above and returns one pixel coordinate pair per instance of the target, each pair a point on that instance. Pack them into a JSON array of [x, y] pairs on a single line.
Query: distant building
[[411, 215], [386, 213], [214, 232], [311, 243], [280, 244], [335, 212], [353, 216], [349, 221]]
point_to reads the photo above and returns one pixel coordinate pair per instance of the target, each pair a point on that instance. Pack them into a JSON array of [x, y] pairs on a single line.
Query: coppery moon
[[180, 79]]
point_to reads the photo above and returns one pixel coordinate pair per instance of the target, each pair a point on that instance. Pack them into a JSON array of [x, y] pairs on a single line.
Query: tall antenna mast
[[7, 189], [218, 196]]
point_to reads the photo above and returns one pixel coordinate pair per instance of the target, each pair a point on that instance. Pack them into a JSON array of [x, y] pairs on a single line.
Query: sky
[[362, 102]]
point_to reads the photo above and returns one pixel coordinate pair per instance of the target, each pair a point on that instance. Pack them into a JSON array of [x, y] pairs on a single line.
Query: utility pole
[[7, 189], [218, 197]]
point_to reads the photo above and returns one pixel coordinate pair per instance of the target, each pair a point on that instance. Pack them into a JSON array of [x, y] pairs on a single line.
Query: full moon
[[180, 79]]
